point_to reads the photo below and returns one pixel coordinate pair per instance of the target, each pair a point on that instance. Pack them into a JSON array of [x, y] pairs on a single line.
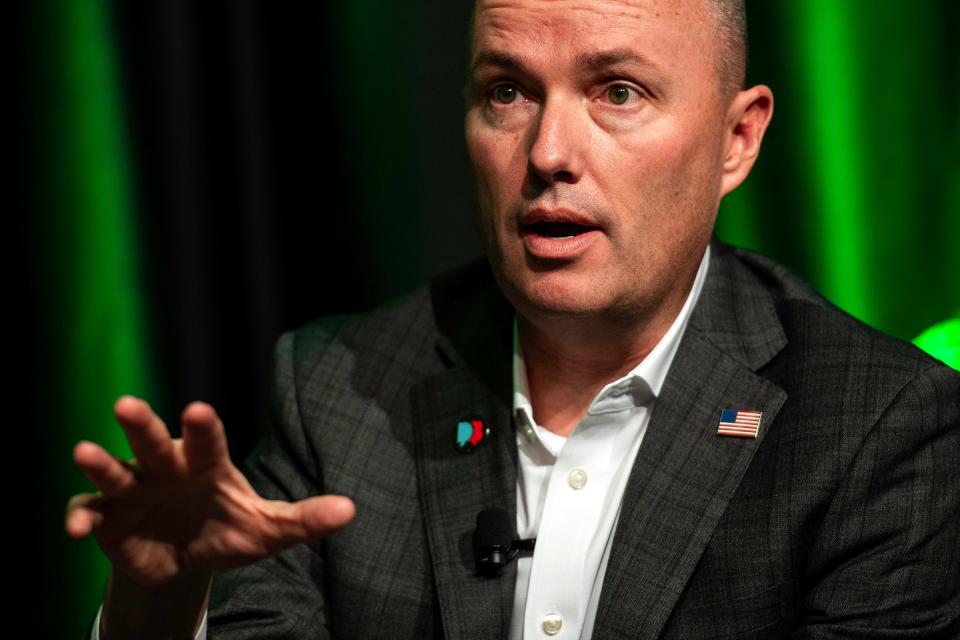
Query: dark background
[[197, 177]]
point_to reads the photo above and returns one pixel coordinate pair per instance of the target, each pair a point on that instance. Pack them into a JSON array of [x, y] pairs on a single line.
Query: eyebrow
[[599, 60], [495, 58], [591, 60]]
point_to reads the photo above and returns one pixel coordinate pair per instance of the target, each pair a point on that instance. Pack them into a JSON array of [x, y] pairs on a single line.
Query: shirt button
[[551, 623], [577, 478]]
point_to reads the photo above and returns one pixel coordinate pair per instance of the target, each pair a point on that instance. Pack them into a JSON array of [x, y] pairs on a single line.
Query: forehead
[[670, 31]]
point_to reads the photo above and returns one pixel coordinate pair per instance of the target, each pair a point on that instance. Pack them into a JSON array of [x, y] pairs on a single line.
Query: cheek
[[668, 183], [494, 155], [648, 174], [489, 156], [677, 163]]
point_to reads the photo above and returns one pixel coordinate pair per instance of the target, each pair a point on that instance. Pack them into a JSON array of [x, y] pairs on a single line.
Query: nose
[[555, 153]]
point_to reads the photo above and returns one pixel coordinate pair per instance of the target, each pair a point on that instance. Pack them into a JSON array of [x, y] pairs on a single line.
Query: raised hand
[[181, 506]]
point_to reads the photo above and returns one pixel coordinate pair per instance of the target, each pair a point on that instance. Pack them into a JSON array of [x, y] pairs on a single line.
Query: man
[[702, 446]]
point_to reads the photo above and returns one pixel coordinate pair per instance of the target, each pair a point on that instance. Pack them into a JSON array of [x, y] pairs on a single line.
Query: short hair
[[730, 17]]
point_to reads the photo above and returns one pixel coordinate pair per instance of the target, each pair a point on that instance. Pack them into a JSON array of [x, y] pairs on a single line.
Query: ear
[[748, 115]]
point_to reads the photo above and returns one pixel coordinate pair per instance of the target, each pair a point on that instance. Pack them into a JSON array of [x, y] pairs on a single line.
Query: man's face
[[596, 130]]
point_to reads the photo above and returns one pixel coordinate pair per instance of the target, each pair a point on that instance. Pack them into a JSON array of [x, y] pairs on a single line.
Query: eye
[[620, 94], [504, 93]]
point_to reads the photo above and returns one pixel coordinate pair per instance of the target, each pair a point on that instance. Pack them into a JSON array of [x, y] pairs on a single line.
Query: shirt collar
[[637, 387]]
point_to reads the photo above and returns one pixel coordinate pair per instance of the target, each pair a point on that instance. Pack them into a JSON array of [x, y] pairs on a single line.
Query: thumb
[[322, 515]]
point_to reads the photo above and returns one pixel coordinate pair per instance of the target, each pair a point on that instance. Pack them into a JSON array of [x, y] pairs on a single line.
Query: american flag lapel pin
[[739, 423]]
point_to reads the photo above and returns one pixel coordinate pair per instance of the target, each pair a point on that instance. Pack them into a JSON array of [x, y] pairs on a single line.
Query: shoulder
[[360, 351], [396, 344], [829, 334], [837, 370], [394, 331]]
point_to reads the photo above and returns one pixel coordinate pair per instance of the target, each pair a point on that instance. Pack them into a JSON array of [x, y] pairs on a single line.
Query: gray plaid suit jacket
[[839, 521]]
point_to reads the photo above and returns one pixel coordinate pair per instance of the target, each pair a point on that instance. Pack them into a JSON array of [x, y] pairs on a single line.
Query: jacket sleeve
[[885, 562], [280, 597]]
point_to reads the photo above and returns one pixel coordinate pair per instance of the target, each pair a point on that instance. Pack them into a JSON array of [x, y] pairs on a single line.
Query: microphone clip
[[495, 543]]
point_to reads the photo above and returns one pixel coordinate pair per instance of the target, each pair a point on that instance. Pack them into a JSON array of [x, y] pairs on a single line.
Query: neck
[[569, 360], [567, 368]]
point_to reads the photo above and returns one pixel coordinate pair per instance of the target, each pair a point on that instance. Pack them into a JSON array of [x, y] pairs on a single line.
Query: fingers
[[316, 517], [109, 475], [204, 440], [147, 434], [83, 514]]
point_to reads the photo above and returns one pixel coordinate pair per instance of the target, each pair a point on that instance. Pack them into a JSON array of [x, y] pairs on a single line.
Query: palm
[[191, 508]]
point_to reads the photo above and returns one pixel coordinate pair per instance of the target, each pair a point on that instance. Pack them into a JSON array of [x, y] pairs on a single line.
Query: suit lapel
[[475, 331], [684, 474]]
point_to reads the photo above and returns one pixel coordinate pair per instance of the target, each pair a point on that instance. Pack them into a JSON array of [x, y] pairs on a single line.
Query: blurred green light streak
[[826, 39], [94, 260]]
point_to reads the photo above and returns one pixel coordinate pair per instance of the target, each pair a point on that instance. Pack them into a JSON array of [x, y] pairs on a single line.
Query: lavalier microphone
[[494, 542]]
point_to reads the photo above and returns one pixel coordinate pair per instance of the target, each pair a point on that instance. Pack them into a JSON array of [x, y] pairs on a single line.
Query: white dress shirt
[[569, 491]]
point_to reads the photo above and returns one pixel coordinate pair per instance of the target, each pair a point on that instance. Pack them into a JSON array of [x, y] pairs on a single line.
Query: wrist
[[172, 609]]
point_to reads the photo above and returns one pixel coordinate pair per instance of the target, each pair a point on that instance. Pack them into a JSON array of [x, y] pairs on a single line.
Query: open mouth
[[559, 230]]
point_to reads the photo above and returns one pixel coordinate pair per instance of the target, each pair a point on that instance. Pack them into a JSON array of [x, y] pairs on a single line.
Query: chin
[[535, 288], [556, 295]]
